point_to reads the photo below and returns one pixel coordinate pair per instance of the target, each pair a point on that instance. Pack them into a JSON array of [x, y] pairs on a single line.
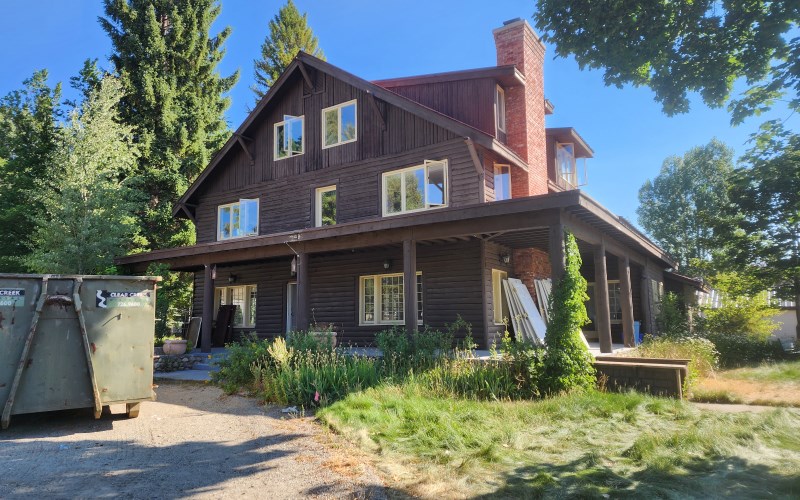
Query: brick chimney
[[517, 44]]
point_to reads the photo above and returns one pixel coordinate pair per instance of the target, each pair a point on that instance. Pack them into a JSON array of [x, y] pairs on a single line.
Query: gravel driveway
[[193, 442]]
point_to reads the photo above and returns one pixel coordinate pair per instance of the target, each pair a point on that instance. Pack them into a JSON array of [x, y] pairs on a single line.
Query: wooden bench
[[658, 376]]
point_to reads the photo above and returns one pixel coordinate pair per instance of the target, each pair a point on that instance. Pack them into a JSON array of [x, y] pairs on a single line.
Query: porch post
[[410, 285], [603, 310], [557, 253], [626, 300], [208, 308], [301, 308]]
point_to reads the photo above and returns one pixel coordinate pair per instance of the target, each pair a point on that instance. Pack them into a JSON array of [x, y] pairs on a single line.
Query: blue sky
[[373, 39]]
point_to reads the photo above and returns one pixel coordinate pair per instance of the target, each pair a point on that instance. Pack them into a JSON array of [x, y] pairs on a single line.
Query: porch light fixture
[[387, 264], [294, 266], [232, 278], [505, 258]]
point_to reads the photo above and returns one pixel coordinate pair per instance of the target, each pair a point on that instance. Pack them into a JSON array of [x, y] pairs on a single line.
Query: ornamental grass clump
[[568, 364]]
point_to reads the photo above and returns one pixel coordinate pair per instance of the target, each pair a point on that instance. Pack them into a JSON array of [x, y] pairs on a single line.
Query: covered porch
[[462, 245]]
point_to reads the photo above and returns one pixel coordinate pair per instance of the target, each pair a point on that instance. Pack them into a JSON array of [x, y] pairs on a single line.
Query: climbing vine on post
[[568, 364]]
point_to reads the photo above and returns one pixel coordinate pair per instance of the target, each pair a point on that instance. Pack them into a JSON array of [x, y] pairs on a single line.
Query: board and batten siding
[[451, 287]]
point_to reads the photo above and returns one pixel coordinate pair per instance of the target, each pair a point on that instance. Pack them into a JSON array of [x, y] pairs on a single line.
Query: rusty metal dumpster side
[[74, 342]]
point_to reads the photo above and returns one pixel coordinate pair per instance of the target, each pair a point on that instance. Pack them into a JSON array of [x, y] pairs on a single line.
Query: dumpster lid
[[84, 276]]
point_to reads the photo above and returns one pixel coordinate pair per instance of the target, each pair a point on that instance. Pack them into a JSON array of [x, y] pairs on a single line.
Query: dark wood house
[[404, 202]]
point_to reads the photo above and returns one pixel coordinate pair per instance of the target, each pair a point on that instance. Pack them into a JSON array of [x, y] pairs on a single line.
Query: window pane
[[419, 297], [348, 122], [502, 183], [225, 223], [236, 221], [252, 306], [369, 300], [565, 158], [436, 185], [238, 300], [415, 189], [296, 132], [614, 302], [331, 127], [328, 207], [280, 142], [392, 298], [250, 217], [393, 194]]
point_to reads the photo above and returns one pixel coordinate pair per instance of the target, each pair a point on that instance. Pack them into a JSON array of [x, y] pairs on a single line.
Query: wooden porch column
[[626, 300], [557, 253], [410, 285], [208, 308], [301, 308], [602, 308]]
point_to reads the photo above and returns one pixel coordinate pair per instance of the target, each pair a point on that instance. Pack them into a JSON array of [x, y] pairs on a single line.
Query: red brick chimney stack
[[517, 44]]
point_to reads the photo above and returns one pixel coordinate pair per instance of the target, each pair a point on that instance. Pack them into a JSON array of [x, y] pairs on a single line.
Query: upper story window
[[289, 137], [340, 124], [325, 203], [415, 188], [500, 108], [566, 167], [236, 220], [502, 182]]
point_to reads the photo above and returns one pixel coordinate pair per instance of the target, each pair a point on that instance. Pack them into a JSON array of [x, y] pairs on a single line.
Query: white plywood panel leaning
[[532, 323]]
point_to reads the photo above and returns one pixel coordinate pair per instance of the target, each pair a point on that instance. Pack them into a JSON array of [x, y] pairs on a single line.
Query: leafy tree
[[679, 206], [88, 215], [174, 96], [568, 363], [28, 130], [760, 233], [676, 47], [289, 33]]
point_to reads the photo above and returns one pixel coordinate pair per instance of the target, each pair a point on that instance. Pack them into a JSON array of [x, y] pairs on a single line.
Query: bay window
[[412, 189]]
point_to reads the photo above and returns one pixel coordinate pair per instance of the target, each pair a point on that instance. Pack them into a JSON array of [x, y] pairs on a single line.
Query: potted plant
[[174, 346]]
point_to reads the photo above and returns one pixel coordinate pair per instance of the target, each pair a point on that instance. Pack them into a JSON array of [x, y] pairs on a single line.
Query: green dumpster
[[75, 342]]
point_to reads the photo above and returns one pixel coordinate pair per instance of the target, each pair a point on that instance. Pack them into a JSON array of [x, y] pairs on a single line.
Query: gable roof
[[508, 75], [303, 60]]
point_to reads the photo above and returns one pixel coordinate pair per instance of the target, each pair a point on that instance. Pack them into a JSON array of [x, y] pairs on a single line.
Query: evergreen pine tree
[[288, 33], [28, 130], [174, 97], [88, 215], [568, 364]]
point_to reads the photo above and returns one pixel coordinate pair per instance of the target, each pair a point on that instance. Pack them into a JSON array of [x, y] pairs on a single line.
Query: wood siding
[[451, 286], [285, 187], [468, 101]]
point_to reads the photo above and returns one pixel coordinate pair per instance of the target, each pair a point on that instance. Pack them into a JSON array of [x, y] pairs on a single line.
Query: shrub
[[568, 363], [672, 320], [235, 371], [403, 354], [737, 350], [701, 352]]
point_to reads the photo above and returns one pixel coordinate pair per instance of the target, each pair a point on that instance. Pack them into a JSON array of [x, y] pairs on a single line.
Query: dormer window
[[565, 165], [500, 108], [237, 220], [340, 124], [289, 137]]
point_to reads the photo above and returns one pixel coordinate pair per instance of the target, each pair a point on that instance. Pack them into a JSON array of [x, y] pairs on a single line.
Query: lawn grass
[[584, 445], [770, 384]]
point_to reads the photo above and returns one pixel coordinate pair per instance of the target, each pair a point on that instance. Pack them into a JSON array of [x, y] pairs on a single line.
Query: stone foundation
[[170, 363]]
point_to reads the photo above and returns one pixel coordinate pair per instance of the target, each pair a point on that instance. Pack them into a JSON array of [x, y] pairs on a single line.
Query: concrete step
[[206, 366]]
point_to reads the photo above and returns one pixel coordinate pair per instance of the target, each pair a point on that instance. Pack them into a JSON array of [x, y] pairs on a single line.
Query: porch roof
[[515, 223]]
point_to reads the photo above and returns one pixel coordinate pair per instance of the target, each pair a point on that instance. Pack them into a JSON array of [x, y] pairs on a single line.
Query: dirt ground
[[755, 392], [194, 442]]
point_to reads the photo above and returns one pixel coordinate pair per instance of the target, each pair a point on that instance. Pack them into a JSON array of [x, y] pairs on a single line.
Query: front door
[[291, 300]]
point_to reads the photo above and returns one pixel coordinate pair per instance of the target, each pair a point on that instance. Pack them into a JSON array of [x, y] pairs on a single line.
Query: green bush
[[568, 364], [403, 354], [672, 319], [235, 371], [702, 353], [737, 350]]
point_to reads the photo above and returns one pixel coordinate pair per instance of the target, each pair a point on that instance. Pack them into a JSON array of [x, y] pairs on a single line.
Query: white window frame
[[497, 167], [318, 204], [402, 171], [247, 320], [230, 206], [500, 108], [570, 184], [287, 119], [498, 275], [619, 297], [338, 108], [377, 288]]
